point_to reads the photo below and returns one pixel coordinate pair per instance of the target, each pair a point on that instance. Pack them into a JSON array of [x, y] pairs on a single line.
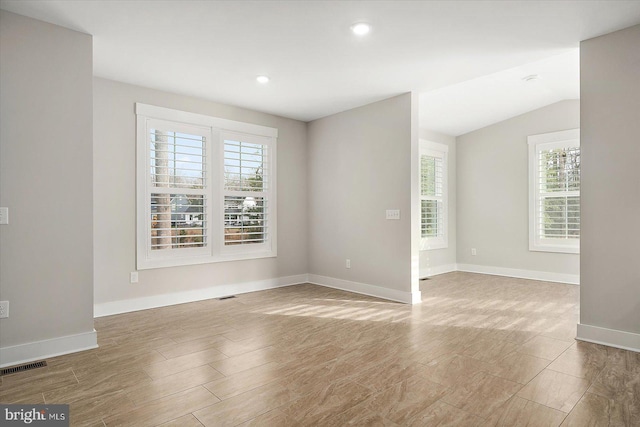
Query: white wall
[[610, 237], [359, 165], [493, 194], [115, 209], [439, 261], [46, 252]]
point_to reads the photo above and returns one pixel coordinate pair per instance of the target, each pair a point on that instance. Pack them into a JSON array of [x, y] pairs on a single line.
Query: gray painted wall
[[443, 257], [359, 165], [493, 192], [610, 138], [46, 251], [115, 203]]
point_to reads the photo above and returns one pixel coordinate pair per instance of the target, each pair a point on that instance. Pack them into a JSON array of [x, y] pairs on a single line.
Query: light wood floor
[[479, 350]]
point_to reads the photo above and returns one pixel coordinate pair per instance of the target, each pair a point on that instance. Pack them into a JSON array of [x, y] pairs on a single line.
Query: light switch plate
[[4, 309], [4, 215], [393, 213]]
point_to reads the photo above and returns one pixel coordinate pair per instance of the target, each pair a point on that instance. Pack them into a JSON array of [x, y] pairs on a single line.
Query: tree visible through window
[[560, 193], [431, 195], [177, 202], [245, 186], [433, 206], [555, 191], [205, 189]]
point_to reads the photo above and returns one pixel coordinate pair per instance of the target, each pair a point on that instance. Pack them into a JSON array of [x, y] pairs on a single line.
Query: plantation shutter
[[554, 191], [433, 195], [246, 189], [558, 192], [205, 189], [178, 186]]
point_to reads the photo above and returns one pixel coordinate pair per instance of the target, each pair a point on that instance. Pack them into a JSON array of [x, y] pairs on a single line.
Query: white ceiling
[[476, 103], [215, 49]]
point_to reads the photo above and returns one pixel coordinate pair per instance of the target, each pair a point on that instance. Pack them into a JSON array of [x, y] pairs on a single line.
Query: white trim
[[28, 352], [203, 120], [560, 136], [546, 276], [269, 248], [135, 304], [163, 300], [214, 130], [611, 337], [441, 151], [562, 139], [436, 270], [366, 289]]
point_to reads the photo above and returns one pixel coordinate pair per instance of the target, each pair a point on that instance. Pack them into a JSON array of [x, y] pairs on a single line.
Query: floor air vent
[[26, 367], [229, 297]]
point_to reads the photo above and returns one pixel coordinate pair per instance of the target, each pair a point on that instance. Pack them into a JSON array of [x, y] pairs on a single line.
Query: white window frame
[[537, 143], [268, 194], [434, 149], [214, 129]]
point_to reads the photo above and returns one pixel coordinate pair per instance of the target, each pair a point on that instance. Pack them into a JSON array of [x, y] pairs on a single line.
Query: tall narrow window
[[554, 165], [205, 189], [179, 188], [433, 195], [247, 190]]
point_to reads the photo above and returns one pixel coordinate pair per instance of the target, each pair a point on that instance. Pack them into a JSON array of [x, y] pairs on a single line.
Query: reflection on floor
[[479, 350]]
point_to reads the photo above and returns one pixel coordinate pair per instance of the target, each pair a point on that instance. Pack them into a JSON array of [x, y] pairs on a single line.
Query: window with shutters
[[554, 192], [246, 191], [206, 189], [433, 195]]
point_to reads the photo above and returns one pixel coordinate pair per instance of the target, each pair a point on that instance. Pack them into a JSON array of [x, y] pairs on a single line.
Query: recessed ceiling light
[[360, 28], [262, 79], [531, 78]]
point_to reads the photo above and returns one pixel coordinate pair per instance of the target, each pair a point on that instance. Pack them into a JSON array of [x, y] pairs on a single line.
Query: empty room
[[319, 213]]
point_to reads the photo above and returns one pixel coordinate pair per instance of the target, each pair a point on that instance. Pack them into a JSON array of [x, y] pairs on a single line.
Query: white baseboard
[[366, 289], [439, 269], [416, 297], [154, 301], [23, 353], [572, 279], [144, 303], [610, 337]]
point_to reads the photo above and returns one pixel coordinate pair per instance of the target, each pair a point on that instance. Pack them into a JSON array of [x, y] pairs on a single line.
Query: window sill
[[555, 249], [148, 264], [430, 246]]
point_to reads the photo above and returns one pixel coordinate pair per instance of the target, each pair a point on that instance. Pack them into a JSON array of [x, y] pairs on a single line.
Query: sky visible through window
[[177, 158]]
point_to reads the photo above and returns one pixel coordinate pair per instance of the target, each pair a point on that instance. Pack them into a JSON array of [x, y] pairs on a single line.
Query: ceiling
[[442, 49], [473, 104]]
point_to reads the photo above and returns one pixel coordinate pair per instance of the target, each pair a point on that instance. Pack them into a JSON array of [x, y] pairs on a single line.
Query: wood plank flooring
[[479, 351]]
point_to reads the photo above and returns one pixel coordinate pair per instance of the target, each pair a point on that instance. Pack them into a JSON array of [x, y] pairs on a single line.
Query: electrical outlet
[[474, 252], [133, 278], [4, 309], [348, 263]]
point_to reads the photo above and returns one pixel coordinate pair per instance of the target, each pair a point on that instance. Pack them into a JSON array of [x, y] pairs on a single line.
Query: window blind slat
[[558, 191], [431, 191], [177, 221], [246, 214]]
